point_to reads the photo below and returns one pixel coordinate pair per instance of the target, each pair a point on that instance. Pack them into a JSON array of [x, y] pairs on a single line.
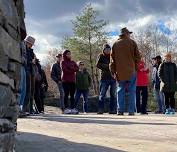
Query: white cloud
[[137, 23], [50, 22]]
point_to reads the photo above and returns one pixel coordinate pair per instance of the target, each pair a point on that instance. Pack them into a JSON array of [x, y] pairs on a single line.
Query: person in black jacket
[[159, 95], [38, 79], [41, 86], [106, 81], [28, 104], [56, 76]]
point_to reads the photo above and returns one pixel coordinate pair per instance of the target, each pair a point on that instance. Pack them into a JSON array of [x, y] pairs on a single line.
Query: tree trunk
[[92, 68]]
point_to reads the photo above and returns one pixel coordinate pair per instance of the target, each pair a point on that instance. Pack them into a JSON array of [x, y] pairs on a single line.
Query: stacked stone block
[[12, 32]]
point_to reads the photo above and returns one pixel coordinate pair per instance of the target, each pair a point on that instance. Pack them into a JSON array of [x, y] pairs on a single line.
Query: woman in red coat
[[69, 69], [142, 88]]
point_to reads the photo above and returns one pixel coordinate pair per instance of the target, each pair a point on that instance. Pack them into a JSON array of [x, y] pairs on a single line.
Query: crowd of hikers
[[123, 72]]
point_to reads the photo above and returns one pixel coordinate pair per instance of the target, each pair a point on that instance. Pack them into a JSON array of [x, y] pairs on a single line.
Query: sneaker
[[100, 112], [67, 111], [144, 113], [172, 112], [74, 111], [158, 112], [120, 113], [131, 114], [112, 112], [167, 111], [42, 112], [22, 114]]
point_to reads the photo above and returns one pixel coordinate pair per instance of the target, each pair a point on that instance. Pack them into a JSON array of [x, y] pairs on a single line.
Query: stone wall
[[12, 32]]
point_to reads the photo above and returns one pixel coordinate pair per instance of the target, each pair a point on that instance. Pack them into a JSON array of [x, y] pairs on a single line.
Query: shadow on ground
[[30, 142], [96, 120]]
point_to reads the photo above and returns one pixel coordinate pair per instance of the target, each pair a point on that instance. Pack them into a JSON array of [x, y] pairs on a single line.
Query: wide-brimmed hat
[[124, 31], [30, 40]]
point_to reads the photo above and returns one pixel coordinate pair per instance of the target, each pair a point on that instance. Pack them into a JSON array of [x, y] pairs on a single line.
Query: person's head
[[30, 41], [154, 61], [81, 65], [67, 54], [106, 49], [167, 57], [125, 32], [59, 57], [157, 60], [37, 61]]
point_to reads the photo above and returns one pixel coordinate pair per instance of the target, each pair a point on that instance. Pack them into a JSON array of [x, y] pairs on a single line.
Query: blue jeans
[[159, 97], [22, 87], [104, 86], [61, 91], [131, 97], [85, 96]]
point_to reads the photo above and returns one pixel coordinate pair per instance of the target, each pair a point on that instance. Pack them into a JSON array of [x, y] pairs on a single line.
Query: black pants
[[42, 96], [69, 89], [141, 91], [169, 99], [37, 96], [30, 87]]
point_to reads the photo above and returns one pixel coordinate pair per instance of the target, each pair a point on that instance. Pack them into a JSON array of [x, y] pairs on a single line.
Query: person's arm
[[175, 71], [161, 72], [45, 79], [90, 80], [100, 65], [75, 67], [112, 61], [53, 74], [137, 56]]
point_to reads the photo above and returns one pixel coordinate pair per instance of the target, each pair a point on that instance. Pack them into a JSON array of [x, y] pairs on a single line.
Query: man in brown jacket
[[124, 58]]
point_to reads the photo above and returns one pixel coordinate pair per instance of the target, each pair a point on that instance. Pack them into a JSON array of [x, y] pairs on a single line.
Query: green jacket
[[83, 80], [168, 75]]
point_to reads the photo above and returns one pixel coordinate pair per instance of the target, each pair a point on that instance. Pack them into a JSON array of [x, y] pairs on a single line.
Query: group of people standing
[[73, 80], [33, 83], [123, 72]]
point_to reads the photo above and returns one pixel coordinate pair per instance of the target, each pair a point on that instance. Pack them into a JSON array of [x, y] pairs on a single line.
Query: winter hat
[[106, 47]]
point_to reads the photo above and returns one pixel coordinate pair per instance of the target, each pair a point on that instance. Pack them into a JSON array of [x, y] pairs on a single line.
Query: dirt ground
[[54, 132]]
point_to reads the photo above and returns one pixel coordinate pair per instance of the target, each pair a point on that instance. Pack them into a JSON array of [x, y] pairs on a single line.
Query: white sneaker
[[67, 111], [74, 111]]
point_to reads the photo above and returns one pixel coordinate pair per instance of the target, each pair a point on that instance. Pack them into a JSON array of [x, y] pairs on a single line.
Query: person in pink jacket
[[142, 87]]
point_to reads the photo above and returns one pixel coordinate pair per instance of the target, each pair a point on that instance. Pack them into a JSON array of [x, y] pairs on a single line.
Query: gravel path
[[54, 132]]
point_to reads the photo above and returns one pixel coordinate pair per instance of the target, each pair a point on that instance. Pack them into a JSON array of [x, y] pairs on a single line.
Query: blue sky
[[50, 20]]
